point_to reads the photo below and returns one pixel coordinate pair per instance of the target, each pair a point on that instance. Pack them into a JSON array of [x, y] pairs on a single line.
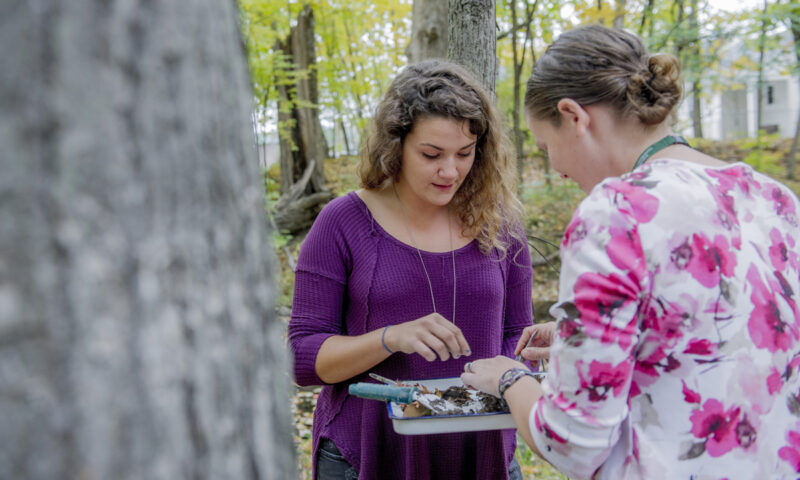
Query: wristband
[[384, 342], [510, 377]]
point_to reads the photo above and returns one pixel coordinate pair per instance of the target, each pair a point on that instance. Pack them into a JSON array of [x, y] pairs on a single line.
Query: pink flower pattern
[[662, 306], [767, 326], [717, 426], [783, 202], [603, 378], [711, 259], [791, 452], [689, 395]]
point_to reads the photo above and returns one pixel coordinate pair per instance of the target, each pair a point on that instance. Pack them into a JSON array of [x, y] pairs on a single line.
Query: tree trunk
[[344, 136], [619, 14], [762, 40], [696, 52], [472, 39], [697, 113], [302, 143], [647, 17], [137, 330], [518, 57], [647, 14], [680, 41], [428, 30], [791, 160]]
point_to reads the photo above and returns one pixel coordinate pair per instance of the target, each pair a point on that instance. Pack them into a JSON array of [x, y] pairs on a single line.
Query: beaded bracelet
[[510, 377], [384, 342]]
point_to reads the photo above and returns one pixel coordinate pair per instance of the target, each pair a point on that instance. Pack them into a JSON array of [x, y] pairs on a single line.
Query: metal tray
[[445, 423]]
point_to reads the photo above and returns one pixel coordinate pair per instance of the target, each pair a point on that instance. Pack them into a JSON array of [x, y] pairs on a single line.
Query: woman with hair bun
[[676, 346]]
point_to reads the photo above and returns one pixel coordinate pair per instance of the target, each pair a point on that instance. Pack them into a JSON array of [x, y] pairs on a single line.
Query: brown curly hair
[[485, 203], [595, 64]]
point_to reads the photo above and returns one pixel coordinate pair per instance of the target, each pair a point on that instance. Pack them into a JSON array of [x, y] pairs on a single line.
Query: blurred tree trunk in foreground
[[428, 30], [137, 333], [302, 144]]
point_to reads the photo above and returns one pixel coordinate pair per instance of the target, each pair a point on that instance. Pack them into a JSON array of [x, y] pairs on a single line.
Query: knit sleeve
[[518, 306], [319, 290]]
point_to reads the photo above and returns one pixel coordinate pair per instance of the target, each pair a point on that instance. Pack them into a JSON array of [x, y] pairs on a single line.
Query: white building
[[731, 112]]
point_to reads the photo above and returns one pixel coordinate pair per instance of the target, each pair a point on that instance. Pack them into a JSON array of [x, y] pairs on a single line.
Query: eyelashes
[[435, 156]]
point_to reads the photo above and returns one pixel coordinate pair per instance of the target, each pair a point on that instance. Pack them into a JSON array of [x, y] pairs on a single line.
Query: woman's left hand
[[484, 374]]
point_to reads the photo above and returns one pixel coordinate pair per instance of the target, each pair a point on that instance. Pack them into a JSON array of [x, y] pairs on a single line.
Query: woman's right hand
[[539, 349], [428, 336]]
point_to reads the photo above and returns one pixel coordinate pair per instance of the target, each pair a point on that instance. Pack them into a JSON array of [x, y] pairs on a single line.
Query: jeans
[[331, 464]]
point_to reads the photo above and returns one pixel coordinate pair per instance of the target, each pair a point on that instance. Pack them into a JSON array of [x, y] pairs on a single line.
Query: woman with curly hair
[[676, 348], [423, 268]]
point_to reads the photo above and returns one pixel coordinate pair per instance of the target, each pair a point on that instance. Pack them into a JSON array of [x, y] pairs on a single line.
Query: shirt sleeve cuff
[[306, 350]]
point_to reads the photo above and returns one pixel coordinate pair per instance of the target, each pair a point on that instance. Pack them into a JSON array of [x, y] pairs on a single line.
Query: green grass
[[533, 467]]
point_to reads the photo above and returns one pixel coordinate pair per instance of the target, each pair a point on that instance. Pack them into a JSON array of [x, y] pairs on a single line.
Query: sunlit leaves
[[359, 46]]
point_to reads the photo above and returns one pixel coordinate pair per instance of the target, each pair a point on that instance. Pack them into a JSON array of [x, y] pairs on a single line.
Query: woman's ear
[[574, 115]]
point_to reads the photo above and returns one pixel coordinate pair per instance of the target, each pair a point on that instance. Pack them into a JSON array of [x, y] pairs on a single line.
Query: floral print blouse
[[677, 345]]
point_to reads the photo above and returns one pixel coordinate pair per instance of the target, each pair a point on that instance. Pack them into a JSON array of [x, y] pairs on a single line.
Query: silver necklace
[[413, 242]]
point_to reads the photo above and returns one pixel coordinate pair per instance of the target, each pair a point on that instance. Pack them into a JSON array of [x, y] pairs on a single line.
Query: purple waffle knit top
[[353, 277]]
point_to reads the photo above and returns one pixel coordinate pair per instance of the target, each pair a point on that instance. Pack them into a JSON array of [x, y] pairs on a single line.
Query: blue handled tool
[[387, 393], [405, 395]]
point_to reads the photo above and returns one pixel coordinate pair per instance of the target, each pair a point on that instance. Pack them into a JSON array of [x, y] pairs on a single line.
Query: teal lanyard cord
[[659, 145]]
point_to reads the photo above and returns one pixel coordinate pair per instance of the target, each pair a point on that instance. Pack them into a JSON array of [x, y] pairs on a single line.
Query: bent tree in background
[[137, 329]]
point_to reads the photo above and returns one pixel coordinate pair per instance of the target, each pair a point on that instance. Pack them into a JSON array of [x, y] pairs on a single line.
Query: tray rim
[[436, 424]]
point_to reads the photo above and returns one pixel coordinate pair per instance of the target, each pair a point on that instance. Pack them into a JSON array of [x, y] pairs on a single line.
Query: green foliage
[[762, 154], [282, 242], [271, 180], [359, 49], [342, 174], [534, 467], [549, 206]]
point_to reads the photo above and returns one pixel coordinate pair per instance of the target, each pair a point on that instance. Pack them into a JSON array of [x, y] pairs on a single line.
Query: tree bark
[[762, 40], [518, 58], [697, 109], [647, 17], [791, 160], [428, 30], [344, 136], [619, 14], [696, 52], [137, 330], [301, 141], [472, 39]]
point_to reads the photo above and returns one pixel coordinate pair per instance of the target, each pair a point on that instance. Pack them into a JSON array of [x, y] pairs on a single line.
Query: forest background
[[319, 68]]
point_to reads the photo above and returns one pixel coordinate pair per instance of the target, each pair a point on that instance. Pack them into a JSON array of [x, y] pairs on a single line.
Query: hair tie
[[382, 339]]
